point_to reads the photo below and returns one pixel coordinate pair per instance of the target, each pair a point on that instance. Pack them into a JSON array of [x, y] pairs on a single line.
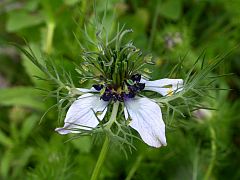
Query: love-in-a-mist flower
[[117, 71]]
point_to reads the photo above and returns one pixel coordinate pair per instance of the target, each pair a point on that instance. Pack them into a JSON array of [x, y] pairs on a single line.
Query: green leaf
[[83, 144], [28, 125], [22, 96], [22, 158], [4, 140], [71, 2], [31, 5], [171, 9], [32, 69], [5, 165], [20, 19]]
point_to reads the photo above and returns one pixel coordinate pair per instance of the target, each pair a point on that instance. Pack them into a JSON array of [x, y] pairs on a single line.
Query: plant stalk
[[213, 153], [134, 167], [49, 38], [105, 147], [154, 27]]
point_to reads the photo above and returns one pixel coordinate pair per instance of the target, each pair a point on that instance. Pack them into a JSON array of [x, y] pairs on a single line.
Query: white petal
[[80, 91], [176, 85], [146, 118], [125, 113], [84, 90], [81, 114]]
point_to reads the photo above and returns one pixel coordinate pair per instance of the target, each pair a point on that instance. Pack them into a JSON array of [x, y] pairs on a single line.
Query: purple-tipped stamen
[[111, 93]]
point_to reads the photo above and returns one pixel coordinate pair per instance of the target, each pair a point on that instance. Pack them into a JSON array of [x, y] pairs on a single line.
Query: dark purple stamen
[[136, 78], [98, 87], [106, 96], [121, 97], [133, 88], [141, 86], [131, 95], [111, 92]]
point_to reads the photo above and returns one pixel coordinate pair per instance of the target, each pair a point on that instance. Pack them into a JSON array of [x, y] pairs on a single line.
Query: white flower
[[84, 113], [145, 115]]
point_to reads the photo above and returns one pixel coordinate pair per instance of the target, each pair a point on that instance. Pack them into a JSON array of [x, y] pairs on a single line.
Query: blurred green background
[[205, 146]]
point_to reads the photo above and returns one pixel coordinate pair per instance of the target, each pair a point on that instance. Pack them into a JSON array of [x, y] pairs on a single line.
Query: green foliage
[[21, 96], [201, 144], [21, 19], [171, 9]]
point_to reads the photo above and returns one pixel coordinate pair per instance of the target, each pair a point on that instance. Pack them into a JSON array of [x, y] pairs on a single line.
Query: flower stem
[[105, 146], [101, 159], [49, 38], [134, 167], [154, 27], [213, 153]]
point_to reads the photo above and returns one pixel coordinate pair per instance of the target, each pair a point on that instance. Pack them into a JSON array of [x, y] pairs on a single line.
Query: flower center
[[129, 89]]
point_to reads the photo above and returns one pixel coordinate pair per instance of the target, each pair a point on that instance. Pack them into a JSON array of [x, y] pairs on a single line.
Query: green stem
[[134, 167], [213, 153], [154, 27], [101, 159], [49, 39], [105, 146], [195, 164], [113, 115]]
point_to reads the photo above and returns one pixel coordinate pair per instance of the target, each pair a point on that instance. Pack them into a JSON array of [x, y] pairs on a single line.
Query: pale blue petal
[[161, 86], [84, 113], [146, 119]]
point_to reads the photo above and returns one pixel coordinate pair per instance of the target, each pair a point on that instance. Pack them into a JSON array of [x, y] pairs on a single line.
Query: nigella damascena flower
[[117, 70], [145, 115]]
